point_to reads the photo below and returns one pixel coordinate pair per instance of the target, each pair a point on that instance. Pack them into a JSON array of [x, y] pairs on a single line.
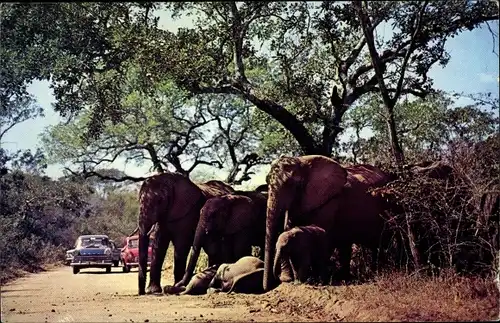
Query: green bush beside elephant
[[316, 190], [173, 203]]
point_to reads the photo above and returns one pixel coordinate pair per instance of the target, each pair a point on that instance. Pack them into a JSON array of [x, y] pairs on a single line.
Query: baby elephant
[[243, 276], [198, 284], [301, 252]]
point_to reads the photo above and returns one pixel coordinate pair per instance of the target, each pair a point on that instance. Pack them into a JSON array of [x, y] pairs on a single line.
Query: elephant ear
[[324, 178], [239, 214]]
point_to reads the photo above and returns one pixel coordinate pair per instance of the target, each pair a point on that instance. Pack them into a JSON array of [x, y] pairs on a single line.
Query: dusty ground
[[94, 296]]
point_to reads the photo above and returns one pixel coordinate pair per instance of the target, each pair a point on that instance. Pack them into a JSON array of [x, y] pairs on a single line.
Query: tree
[[424, 27], [427, 127], [14, 110], [161, 126], [313, 67]]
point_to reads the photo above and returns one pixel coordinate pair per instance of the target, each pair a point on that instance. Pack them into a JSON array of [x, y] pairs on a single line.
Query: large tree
[[427, 127], [302, 63], [161, 127]]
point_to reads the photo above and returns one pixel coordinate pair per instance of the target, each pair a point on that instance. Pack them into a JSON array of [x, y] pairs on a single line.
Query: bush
[[41, 218], [452, 218]]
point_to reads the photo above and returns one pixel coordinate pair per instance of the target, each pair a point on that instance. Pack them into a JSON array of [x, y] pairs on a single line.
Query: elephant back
[[214, 188], [367, 175], [167, 197], [243, 266], [324, 178]]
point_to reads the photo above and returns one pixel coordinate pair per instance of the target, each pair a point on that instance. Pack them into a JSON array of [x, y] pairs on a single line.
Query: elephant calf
[[198, 284], [301, 252], [243, 276]]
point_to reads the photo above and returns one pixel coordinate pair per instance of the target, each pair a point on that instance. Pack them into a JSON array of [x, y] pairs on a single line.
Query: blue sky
[[473, 68]]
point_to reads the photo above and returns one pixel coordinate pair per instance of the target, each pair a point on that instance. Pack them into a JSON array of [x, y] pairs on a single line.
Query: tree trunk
[[411, 241], [397, 151]]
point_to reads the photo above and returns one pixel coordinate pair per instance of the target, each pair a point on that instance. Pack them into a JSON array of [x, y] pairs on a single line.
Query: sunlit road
[[94, 296]]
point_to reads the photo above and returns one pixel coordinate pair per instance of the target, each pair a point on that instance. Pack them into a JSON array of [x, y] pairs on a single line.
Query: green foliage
[[302, 64], [426, 127], [40, 218], [160, 124]]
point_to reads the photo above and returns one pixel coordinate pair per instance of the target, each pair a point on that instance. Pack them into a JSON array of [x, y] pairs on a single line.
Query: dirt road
[[94, 296]]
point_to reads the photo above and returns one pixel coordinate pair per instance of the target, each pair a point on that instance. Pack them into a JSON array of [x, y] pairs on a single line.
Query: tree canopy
[[253, 68]]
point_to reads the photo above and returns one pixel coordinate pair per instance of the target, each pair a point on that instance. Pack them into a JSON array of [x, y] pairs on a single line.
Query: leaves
[[427, 127], [302, 64]]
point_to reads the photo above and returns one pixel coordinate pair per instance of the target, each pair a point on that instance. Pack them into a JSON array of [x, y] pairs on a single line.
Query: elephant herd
[[312, 206]]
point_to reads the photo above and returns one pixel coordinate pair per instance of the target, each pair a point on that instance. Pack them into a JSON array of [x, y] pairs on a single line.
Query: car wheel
[[126, 269], [76, 270], [108, 269]]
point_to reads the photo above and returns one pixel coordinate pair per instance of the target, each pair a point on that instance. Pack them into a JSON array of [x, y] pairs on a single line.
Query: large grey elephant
[[229, 226], [301, 253], [173, 203], [317, 190]]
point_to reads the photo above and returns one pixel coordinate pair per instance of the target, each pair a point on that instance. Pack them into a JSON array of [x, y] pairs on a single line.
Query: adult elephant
[[173, 203], [316, 190], [229, 226]]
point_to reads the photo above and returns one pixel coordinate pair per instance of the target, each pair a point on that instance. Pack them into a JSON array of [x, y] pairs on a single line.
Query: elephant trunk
[[193, 258], [274, 215], [277, 263], [143, 260]]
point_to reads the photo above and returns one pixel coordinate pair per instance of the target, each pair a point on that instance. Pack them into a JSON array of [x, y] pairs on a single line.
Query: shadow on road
[[100, 273], [19, 290]]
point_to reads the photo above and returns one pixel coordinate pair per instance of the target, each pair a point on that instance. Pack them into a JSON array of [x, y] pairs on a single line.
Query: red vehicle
[[130, 253]]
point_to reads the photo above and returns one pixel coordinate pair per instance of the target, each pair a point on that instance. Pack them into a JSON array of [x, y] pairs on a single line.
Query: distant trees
[[40, 218]]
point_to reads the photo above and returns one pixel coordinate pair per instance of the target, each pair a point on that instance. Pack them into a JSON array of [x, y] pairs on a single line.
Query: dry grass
[[168, 264], [394, 297]]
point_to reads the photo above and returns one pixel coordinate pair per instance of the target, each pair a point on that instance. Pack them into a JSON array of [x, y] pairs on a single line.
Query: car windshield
[[94, 242], [133, 243]]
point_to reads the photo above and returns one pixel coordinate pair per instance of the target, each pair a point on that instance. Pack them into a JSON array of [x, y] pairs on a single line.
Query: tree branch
[[204, 162], [278, 112], [418, 26], [237, 34], [154, 157], [86, 174]]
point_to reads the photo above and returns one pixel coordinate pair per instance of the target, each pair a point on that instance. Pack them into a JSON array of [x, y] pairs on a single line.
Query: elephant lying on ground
[[244, 276], [317, 190], [301, 253], [198, 285], [229, 226], [173, 203]]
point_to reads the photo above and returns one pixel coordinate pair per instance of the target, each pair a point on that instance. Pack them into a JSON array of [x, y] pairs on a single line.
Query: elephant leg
[[181, 252], [303, 269], [162, 240], [295, 270], [345, 254], [286, 274]]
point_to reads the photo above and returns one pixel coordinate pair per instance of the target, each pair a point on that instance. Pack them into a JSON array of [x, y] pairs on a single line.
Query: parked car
[[69, 257], [116, 252], [92, 251], [130, 253]]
